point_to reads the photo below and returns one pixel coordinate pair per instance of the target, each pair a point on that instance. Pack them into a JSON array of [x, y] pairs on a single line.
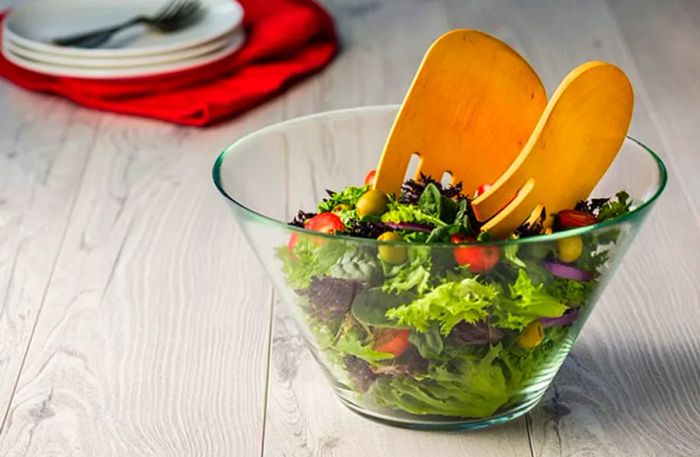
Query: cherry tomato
[[325, 223], [481, 189], [479, 259], [369, 179], [570, 218], [393, 341], [293, 239]]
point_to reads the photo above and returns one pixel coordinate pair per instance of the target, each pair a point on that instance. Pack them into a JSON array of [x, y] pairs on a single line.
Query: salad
[[439, 324]]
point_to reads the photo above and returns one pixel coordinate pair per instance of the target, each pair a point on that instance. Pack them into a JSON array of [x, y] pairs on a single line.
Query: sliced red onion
[[564, 319], [413, 226], [561, 270]]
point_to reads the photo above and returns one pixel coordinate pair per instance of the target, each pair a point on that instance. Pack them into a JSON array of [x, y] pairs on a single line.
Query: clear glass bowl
[[459, 376]]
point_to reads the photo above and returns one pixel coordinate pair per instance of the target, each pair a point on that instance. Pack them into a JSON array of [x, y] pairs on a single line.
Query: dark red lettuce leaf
[[330, 297], [477, 334], [360, 373]]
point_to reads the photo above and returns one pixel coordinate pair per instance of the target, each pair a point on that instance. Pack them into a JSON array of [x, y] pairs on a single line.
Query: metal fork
[[175, 15]]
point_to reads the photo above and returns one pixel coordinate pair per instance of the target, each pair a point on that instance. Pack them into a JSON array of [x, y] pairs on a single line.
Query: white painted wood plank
[[630, 386], [154, 335], [44, 144], [663, 40]]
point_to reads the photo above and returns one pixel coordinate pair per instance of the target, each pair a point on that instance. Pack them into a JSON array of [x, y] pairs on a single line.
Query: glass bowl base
[[437, 423]]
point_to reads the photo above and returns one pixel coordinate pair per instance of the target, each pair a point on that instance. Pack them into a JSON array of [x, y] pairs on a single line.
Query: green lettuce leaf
[[468, 383], [510, 252], [471, 385], [615, 207], [414, 274], [307, 260], [348, 196], [526, 303], [350, 343], [429, 343], [399, 212], [357, 264], [573, 293], [443, 233], [430, 201], [447, 305], [524, 366], [369, 307]]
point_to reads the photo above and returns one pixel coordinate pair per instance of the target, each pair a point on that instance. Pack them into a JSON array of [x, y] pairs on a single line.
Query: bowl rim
[[632, 214]]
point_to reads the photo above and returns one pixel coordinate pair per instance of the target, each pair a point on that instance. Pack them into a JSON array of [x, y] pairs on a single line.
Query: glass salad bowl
[[404, 332]]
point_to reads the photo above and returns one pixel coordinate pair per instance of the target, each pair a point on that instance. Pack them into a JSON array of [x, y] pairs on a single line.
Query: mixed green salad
[[441, 325]]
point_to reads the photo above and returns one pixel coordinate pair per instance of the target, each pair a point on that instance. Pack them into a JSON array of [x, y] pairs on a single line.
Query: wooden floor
[[134, 320]]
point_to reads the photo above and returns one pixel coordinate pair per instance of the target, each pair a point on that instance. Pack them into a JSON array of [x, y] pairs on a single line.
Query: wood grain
[[44, 145], [154, 334]]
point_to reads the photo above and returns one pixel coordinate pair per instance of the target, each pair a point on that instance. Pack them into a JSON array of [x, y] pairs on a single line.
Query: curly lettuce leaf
[[528, 301], [523, 366], [308, 259], [470, 385], [401, 212], [615, 207], [348, 196], [447, 305], [414, 274], [572, 293]]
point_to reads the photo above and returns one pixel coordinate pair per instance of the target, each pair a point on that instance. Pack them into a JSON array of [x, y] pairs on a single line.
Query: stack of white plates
[[137, 51]]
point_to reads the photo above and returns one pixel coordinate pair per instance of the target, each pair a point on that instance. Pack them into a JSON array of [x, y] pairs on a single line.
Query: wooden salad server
[[575, 141], [469, 111]]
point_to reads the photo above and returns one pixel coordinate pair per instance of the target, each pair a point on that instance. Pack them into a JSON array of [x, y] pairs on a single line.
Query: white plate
[[33, 24], [121, 62], [127, 72]]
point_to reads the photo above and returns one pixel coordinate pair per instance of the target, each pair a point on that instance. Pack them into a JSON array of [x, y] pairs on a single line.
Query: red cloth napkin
[[286, 39]]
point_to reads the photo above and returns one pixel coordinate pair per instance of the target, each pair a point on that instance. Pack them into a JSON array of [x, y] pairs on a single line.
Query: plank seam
[[267, 372], [528, 427]]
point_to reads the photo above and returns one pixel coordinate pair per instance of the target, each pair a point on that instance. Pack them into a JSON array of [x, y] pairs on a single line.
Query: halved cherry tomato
[[369, 179], [570, 218], [325, 223], [393, 341], [479, 259], [481, 189]]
